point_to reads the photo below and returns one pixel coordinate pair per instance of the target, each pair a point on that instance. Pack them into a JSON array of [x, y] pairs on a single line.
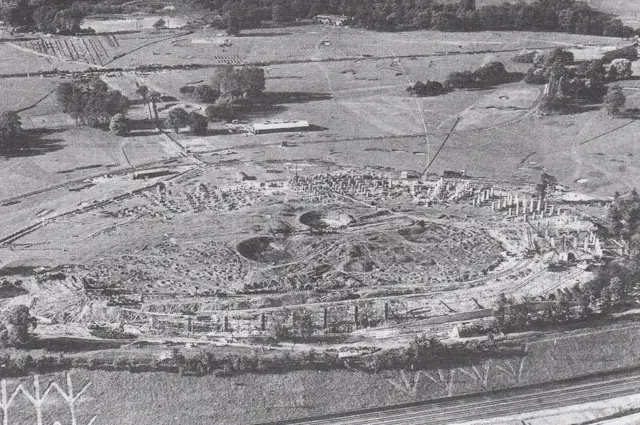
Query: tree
[[444, 21], [91, 102], [101, 106], [491, 74], [558, 55], [281, 13], [11, 133], [119, 125], [618, 289], [18, 14], [247, 81], [17, 320], [177, 118], [614, 100], [160, 23], [57, 18], [551, 103], [430, 88], [620, 69], [233, 24], [224, 109], [64, 95], [205, 93], [154, 98], [303, 325], [252, 80], [500, 310], [595, 70], [143, 92], [547, 184], [535, 76], [460, 79], [197, 123]]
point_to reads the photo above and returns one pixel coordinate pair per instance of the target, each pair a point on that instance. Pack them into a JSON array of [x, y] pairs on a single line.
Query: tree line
[[49, 16], [540, 15], [488, 75]]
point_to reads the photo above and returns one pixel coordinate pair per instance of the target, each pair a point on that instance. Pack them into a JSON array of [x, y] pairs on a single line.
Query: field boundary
[[194, 66]]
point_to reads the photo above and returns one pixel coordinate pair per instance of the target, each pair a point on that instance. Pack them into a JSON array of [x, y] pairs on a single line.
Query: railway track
[[501, 403]]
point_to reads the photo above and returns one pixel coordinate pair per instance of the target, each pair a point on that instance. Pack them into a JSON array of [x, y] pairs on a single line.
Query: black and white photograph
[[319, 212]]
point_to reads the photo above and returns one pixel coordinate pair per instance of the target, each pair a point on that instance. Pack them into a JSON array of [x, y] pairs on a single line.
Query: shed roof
[[275, 125]]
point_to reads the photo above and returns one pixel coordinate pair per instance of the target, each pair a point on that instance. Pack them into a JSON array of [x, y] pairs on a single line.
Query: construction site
[[203, 257]]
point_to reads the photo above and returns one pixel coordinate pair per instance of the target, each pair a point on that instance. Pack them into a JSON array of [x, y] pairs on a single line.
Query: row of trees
[[608, 291], [91, 102], [488, 75], [51, 16], [540, 15]]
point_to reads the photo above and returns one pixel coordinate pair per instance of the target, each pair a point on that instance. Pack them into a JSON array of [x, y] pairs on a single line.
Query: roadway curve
[[500, 403]]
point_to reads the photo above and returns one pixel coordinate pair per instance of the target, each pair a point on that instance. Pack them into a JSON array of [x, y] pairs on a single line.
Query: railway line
[[504, 403]]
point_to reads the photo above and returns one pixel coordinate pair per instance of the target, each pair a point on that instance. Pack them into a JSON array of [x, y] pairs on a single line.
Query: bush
[[551, 103], [536, 76], [226, 108], [430, 88], [525, 57], [630, 52], [614, 100], [187, 90], [491, 74], [560, 56], [205, 93], [460, 80], [620, 69], [119, 125], [177, 118], [197, 123]]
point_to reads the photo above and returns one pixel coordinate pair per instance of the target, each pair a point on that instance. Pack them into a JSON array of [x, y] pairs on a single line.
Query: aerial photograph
[[358, 212]]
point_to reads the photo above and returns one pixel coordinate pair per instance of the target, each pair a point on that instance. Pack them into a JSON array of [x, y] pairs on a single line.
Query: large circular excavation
[[326, 220], [265, 249]]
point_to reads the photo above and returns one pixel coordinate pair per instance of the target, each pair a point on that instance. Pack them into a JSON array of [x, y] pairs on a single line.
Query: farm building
[[152, 173], [448, 174], [337, 20], [220, 41], [279, 126]]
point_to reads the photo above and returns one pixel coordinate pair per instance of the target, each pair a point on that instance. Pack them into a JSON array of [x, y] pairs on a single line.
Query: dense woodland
[[64, 16], [395, 15]]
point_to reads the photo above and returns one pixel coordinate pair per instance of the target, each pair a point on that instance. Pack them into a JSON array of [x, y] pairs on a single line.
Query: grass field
[[167, 398]]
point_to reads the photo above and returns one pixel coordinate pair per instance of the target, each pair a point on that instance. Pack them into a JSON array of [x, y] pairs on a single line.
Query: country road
[[486, 406]]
